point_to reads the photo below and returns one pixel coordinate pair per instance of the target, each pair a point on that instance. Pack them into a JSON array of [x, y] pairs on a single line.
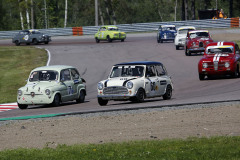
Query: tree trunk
[[32, 15], [158, 9], [193, 10], [100, 13], [45, 14], [21, 16], [107, 10], [66, 7], [175, 18], [186, 9], [114, 15], [230, 8], [27, 15], [183, 11]]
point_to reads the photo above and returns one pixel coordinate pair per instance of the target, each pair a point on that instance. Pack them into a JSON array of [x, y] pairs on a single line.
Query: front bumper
[[202, 49], [225, 71], [115, 97], [34, 100]]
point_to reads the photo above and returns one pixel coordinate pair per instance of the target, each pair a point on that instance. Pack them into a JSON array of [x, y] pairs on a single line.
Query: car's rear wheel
[[201, 77], [56, 101], [109, 39], [22, 106], [17, 43], [97, 40], [35, 41], [102, 102], [168, 93], [81, 97], [46, 42], [122, 40], [177, 47]]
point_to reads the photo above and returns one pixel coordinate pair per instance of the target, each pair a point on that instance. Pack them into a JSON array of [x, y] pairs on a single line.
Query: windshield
[[127, 71], [219, 49], [43, 76], [168, 28], [184, 31], [199, 35], [113, 29]]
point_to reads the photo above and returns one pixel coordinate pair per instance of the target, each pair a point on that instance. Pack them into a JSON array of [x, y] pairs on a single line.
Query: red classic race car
[[196, 41], [220, 58]]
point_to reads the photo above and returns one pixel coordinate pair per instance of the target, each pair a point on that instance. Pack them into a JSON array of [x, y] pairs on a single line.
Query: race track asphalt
[[94, 62]]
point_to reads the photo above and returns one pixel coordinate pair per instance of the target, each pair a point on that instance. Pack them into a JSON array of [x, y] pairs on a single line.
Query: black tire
[[102, 102], [201, 77], [35, 42], [46, 42], [236, 73], [161, 41], [56, 101], [140, 96], [168, 93], [177, 47], [187, 52], [22, 106], [109, 39], [122, 40], [97, 40], [27, 43], [81, 97], [158, 40], [17, 43]]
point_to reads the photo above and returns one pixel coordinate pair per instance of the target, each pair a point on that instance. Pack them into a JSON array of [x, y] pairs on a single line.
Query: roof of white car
[[53, 67], [195, 31], [168, 25]]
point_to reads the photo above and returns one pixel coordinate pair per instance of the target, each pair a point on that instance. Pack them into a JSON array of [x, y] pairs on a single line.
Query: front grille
[[200, 44], [216, 65], [170, 35], [115, 90]]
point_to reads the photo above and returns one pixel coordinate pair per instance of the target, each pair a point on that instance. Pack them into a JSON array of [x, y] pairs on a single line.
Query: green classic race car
[[52, 85], [109, 33]]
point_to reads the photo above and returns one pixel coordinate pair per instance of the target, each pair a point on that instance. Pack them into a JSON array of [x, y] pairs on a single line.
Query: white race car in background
[[181, 36]]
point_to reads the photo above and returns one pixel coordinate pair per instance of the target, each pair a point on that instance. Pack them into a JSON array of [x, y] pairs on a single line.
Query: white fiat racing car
[[135, 81], [181, 36]]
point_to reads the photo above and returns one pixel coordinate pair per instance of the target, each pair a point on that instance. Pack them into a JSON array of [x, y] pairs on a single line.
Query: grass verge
[[215, 148], [15, 66]]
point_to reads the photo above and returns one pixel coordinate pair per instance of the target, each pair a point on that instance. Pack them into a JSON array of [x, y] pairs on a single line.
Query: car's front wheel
[[97, 40], [187, 52], [22, 106], [177, 47], [35, 42], [102, 102], [122, 40], [46, 42], [140, 95], [168, 93], [201, 77], [236, 72], [17, 43], [109, 39], [81, 97], [56, 101]]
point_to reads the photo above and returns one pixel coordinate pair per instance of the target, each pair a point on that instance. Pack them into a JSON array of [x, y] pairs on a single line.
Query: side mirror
[[83, 80]]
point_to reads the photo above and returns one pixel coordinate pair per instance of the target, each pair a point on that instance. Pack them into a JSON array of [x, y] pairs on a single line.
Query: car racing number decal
[[70, 90], [26, 37]]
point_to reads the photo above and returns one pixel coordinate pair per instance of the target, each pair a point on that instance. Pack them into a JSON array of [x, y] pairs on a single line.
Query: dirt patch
[[178, 123]]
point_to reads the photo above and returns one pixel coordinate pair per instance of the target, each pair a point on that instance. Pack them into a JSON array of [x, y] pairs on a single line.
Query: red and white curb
[[8, 106]]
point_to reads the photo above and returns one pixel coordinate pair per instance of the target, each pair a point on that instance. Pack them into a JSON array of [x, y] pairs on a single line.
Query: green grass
[[15, 66], [215, 148]]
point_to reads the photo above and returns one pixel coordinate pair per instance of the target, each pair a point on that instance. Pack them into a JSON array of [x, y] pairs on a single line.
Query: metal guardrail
[[135, 27]]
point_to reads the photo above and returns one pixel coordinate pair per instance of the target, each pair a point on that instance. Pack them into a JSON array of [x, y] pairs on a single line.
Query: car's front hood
[[181, 36], [119, 81], [38, 86], [219, 57]]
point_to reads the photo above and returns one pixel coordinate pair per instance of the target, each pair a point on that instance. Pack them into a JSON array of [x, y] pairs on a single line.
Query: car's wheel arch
[[57, 93]]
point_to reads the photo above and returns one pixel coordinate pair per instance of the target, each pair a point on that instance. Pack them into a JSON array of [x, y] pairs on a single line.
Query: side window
[[160, 70], [150, 71], [65, 75], [236, 49], [75, 74]]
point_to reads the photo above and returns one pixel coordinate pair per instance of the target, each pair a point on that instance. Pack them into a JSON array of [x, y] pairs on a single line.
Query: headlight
[[129, 85], [193, 43], [207, 42], [47, 91], [227, 64], [100, 85], [19, 92], [204, 65]]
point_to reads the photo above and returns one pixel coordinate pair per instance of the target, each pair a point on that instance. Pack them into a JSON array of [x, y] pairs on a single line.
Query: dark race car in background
[[197, 41], [166, 33], [31, 36], [220, 58]]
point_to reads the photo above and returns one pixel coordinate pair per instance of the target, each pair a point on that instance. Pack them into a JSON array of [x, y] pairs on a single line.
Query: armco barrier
[[135, 27]]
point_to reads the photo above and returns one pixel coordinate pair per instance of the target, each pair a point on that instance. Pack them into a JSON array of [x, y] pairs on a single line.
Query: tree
[[66, 8]]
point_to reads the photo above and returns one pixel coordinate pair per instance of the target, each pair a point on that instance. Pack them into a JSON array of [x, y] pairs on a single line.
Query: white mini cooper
[[135, 81], [181, 36], [52, 85]]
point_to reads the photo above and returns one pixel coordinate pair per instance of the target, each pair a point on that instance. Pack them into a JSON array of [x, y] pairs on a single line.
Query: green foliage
[[215, 148], [82, 12], [15, 66]]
